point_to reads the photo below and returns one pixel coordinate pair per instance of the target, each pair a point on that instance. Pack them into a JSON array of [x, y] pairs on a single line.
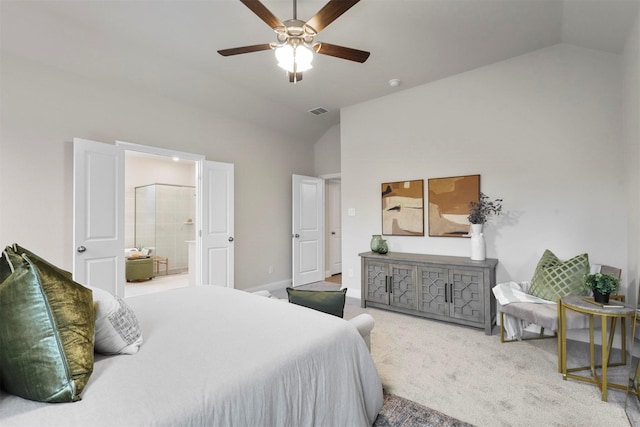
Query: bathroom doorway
[[159, 222]]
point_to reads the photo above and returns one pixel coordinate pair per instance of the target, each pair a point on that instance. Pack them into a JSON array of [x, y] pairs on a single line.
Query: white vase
[[477, 243]]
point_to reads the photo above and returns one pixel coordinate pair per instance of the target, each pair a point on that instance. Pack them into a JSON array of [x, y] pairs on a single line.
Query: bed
[[219, 357]]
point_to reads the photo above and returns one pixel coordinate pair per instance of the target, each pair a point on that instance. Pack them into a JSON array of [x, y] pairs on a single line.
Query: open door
[[98, 215], [307, 230], [216, 251]]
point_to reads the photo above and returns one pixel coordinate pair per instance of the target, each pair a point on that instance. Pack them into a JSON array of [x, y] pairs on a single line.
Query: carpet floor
[[473, 377]]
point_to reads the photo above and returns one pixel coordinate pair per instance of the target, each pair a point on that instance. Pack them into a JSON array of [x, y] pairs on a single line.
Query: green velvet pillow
[[554, 279], [46, 331], [330, 302]]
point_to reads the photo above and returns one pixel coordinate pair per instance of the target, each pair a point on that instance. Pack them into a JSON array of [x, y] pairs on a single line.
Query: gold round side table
[[609, 314]]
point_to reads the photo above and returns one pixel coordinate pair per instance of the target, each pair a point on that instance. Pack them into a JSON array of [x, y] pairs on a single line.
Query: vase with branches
[[480, 211]]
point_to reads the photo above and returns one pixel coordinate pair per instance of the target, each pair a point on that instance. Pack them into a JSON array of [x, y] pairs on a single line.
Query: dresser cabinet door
[[403, 286], [468, 294], [375, 282], [433, 297]]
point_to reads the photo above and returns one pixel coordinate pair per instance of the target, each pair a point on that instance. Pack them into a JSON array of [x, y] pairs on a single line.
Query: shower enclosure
[[164, 222]]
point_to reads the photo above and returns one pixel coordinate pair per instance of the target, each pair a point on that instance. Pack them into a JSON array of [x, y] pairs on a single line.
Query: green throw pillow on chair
[[554, 279], [330, 302]]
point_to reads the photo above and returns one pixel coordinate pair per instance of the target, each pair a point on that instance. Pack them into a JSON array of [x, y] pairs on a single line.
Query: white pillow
[[117, 328]]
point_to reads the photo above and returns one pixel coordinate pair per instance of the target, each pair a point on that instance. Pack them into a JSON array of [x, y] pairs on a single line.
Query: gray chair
[[547, 316]]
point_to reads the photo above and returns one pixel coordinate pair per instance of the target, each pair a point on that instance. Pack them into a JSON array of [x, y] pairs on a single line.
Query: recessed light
[[394, 82]]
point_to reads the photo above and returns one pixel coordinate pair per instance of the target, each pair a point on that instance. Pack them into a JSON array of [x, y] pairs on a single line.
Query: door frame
[[328, 177], [334, 224], [199, 160]]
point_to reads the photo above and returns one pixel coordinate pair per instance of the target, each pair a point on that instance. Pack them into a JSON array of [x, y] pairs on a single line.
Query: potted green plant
[[602, 285]]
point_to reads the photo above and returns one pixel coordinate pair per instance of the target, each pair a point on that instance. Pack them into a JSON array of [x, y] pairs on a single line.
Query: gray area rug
[[400, 412]]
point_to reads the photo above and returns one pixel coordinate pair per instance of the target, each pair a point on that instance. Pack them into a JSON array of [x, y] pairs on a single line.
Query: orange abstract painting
[[403, 208], [449, 200]]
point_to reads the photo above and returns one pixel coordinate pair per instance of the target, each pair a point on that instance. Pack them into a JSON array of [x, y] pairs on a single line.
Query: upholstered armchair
[[520, 304]]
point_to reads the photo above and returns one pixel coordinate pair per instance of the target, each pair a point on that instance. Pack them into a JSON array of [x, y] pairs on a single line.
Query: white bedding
[[219, 357]]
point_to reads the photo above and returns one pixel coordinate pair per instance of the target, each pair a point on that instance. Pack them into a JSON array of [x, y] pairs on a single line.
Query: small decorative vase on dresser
[[477, 243], [379, 245]]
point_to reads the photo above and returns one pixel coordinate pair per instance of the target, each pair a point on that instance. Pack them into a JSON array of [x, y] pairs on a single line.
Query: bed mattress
[[221, 357]]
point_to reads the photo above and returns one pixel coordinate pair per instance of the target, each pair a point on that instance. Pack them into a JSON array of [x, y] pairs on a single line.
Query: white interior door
[[216, 251], [308, 230], [335, 227], [98, 215]]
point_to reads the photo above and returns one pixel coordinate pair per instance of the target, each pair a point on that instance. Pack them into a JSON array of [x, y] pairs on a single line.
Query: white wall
[[326, 152], [544, 132], [631, 134], [43, 110]]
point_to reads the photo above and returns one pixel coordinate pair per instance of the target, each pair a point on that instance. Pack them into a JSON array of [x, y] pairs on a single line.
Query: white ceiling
[[169, 47]]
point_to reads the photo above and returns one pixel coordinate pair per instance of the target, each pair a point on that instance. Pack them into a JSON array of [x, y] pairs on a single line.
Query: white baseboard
[[271, 286]]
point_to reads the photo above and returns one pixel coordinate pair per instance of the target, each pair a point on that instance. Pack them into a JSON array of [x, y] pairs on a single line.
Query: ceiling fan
[[295, 38]]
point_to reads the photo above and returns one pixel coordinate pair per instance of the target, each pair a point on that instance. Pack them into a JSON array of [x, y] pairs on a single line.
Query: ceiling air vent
[[318, 111]]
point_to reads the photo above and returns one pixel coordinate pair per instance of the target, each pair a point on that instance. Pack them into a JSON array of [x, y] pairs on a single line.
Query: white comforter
[[220, 357]]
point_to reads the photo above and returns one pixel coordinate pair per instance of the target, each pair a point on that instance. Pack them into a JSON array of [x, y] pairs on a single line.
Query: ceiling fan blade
[[329, 13], [263, 13], [244, 49], [341, 52]]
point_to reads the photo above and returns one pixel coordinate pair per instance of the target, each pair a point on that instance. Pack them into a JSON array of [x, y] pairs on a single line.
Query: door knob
[[231, 239], [296, 235], [333, 232], [81, 249]]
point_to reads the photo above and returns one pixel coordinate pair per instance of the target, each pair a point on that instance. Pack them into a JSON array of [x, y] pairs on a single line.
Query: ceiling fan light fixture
[[294, 59], [295, 38]]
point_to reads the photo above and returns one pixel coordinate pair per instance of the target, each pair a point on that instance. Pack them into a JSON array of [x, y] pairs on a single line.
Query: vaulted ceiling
[[169, 47]]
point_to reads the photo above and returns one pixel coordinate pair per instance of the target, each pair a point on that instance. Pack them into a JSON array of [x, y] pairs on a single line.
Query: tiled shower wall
[[164, 216]]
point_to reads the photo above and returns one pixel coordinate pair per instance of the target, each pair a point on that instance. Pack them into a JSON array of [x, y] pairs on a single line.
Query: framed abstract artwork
[[403, 208], [449, 200]]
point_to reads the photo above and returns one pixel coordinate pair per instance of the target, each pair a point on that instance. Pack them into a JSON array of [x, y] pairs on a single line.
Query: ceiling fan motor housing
[[294, 29]]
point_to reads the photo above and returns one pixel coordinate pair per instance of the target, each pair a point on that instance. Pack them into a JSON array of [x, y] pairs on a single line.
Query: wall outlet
[[271, 269], [351, 272]]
